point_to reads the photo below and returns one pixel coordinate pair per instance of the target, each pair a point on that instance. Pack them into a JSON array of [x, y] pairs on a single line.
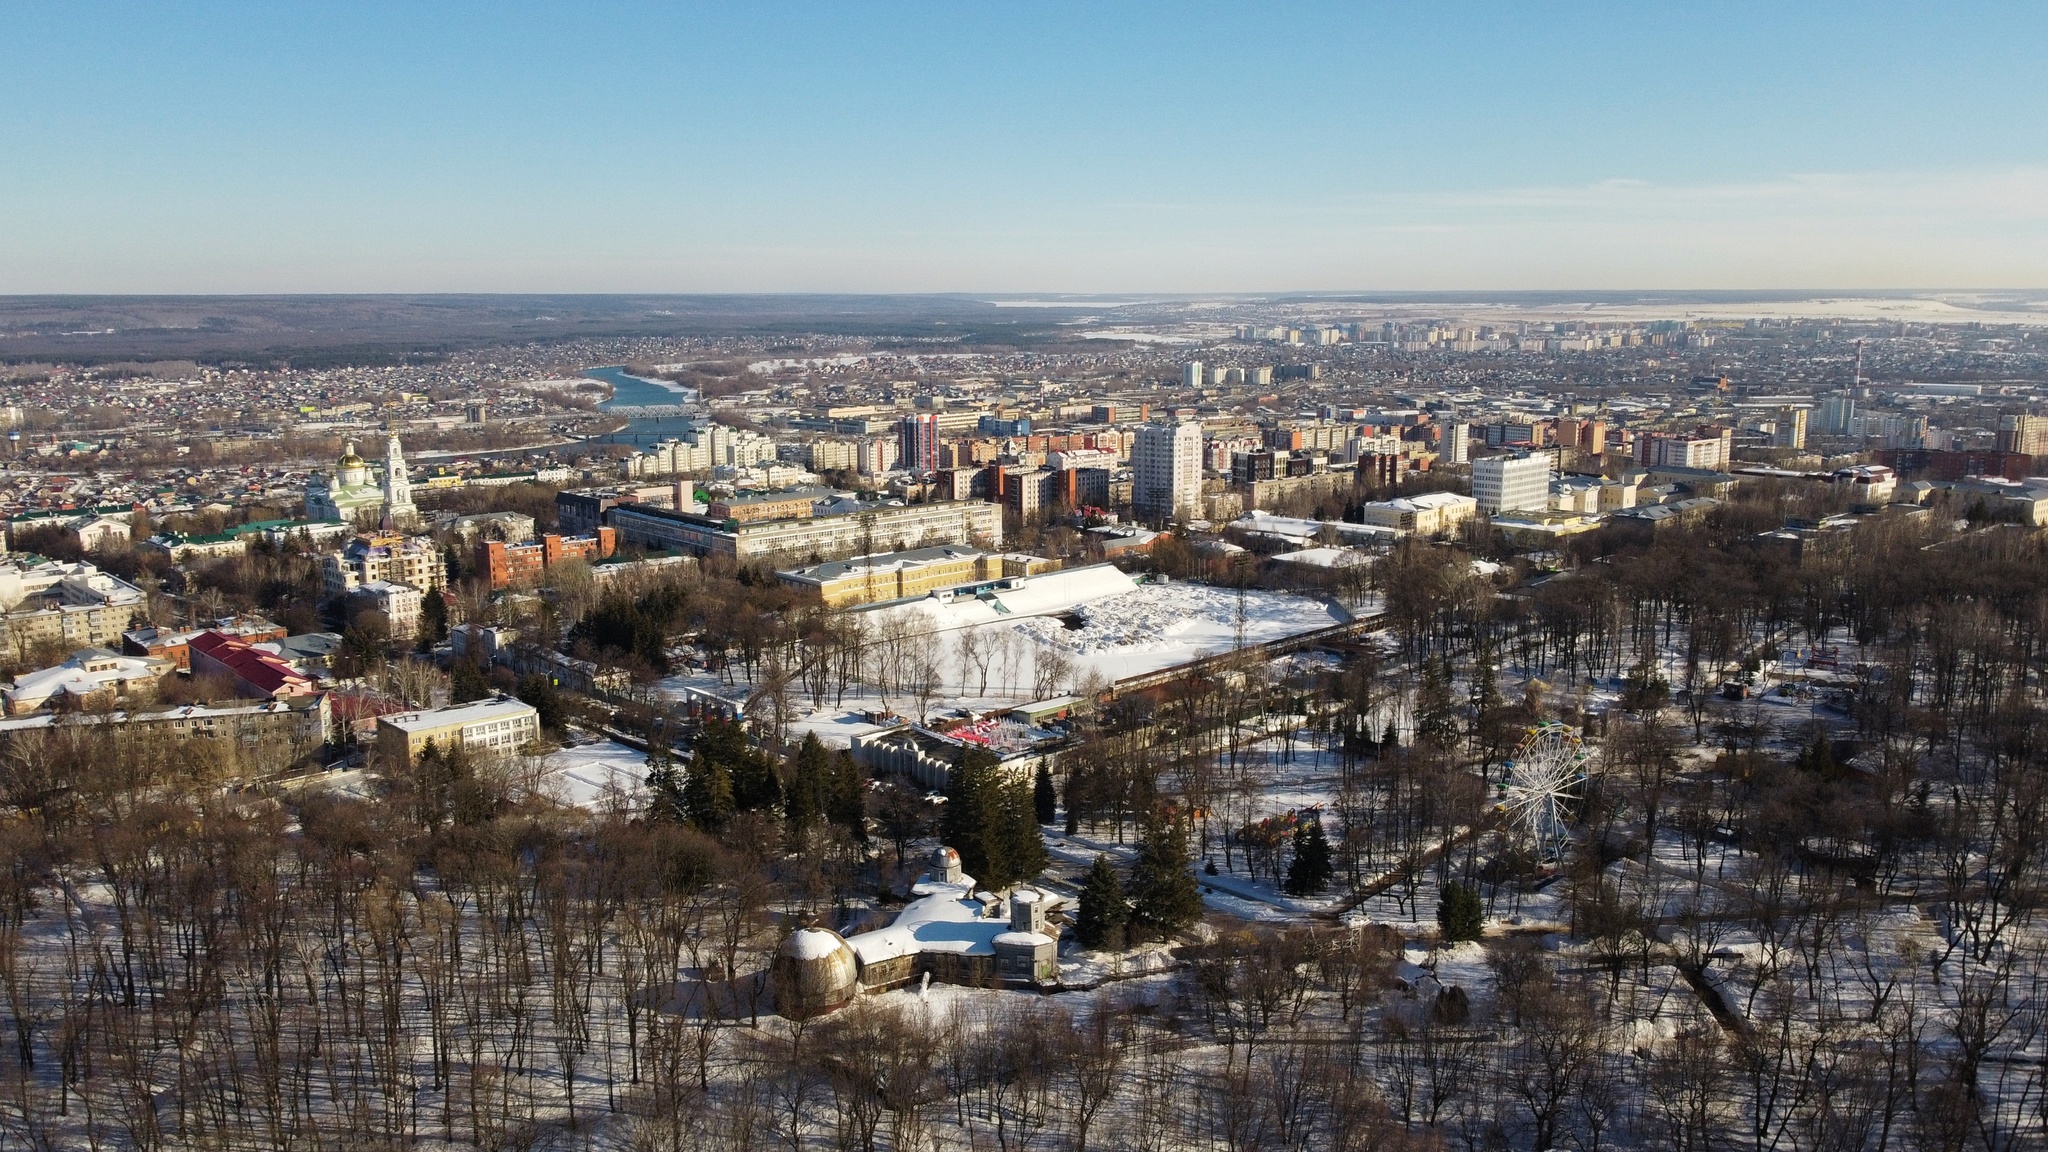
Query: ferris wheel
[[1543, 774]]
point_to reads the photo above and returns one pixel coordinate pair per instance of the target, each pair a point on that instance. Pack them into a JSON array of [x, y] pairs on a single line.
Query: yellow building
[[497, 726], [1429, 514], [904, 575], [793, 505]]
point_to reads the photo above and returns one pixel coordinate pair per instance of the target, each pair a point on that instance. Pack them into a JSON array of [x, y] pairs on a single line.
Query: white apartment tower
[[1511, 483], [1457, 443], [1166, 471], [1837, 416], [1191, 377]]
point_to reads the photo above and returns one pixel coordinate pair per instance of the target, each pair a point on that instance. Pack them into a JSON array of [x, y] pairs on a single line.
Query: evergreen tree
[[1164, 896], [991, 822], [434, 775], [1390, 739], [466, 682], [720, 739], [1043, 799], [1311, 867], [846, 796], [755, 787], [1460, 914], [667, 795], [433, 621], [540, 692], [1079, 791], [749, 773], [707, 791], [970, 799], [1818, 757], [808, 783], [1099, 923], [1022, 839]]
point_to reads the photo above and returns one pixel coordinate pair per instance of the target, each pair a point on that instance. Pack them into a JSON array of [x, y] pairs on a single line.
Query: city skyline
[[233, 149]]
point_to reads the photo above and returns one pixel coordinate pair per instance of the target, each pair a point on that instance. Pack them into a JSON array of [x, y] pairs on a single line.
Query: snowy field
[[1057, 634], [1103, 622], [596, 775]]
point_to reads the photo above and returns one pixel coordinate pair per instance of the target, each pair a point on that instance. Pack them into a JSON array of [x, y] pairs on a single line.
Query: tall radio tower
[[1858, 381]]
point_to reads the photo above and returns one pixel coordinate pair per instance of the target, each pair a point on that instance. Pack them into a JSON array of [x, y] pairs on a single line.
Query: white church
[[353, 495]]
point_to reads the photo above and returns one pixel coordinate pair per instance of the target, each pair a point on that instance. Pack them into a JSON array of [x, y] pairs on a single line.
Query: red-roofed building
[[255, 673], [357, 713], [172, 644]]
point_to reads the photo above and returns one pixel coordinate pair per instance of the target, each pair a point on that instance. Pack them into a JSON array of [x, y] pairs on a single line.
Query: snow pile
[[1089, 969]]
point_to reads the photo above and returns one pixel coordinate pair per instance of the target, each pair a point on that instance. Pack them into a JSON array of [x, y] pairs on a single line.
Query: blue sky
[[981, 147]]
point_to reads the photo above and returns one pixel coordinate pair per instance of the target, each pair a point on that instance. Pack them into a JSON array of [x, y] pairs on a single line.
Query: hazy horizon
[[232, 149]]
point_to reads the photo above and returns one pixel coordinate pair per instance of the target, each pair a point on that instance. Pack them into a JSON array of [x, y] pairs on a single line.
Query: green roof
[[69, 513]]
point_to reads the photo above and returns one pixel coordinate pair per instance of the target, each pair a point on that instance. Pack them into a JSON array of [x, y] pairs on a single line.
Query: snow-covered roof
[[811, 944], [1324, 557], [87, 672], [1026, 939], [950, 918], [474, 712], [1436, 500], [1297, 528], [1040, 595], [945, 918]]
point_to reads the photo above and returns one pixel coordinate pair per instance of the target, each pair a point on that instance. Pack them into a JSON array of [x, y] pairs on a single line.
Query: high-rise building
[[878, 455], [2026, 435], [1191, 377], [918, 440], [1511, 483], [1456, 447], [1791, 431], [1166, 471], [1837, 415]]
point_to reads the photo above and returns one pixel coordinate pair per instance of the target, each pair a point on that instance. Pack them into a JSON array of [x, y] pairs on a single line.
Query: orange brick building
[[507, 564]]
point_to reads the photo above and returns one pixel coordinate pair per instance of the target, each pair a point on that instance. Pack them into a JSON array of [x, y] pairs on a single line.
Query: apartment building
[[74, 605], [503, 565], [413, 560], [1166, 471]]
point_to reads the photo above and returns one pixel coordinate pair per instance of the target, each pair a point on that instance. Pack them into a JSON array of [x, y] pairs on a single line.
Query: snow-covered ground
[[983, 654], [597, 775], [1124, 628]]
